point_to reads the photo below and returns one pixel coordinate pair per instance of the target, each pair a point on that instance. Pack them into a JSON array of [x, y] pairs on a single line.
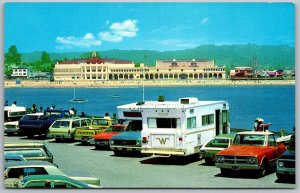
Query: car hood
[[288, 154], [128, 135], [240, 150], [106, 135]]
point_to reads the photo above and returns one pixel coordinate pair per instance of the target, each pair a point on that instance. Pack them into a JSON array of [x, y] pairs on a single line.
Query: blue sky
[[66, 27]]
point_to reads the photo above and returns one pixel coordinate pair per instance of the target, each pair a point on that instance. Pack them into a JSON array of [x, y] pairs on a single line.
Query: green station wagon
[[208, 150], [63, 129], [53, 182]]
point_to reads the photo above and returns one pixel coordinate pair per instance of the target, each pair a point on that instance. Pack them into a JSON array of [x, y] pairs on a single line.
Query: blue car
[[128, 141], [14, 157]]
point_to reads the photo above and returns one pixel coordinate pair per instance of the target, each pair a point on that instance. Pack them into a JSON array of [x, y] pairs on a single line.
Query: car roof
[[15, 156], [255, 132], [27, 163], [17, 145], [72, 119], [35, 114]]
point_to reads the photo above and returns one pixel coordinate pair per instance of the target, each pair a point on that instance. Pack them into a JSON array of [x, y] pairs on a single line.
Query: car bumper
[[59, 136], [11, 130], [286, 171], [164, 152], [125, 148], [237, 166], [99, 143]]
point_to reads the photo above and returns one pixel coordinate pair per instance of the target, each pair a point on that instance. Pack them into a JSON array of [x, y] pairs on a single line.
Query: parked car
[[65, 128], [98, 125], [101, 140], [208, 150], [44, 168], [251, 150], [39, 125], [14, 157], [53, 182], [11, 128], [287, 162], [30, 151], [129, 140]]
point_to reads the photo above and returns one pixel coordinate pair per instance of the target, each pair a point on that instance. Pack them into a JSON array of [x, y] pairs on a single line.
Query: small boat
[[115, 96], [77, 100]]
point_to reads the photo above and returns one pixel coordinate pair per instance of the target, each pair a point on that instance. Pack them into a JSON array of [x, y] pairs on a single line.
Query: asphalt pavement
[[139, 171]]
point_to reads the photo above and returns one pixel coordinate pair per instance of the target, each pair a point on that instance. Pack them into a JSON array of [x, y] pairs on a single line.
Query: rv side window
[[191, 122], [163, 123], [208, 119]]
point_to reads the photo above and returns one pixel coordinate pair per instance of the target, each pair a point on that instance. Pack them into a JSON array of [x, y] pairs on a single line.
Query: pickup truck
[[129, 140], [98, 125], [31, 125], [286, 164], [251, 150]]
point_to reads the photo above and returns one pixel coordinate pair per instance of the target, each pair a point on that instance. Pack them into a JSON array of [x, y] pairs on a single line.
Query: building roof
[[96, 60]]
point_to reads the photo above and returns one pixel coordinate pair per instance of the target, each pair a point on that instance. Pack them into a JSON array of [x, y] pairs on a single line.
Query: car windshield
[[114, 129], [250, 139], [134, 126], [218, 142], [26, 152], [58, 124]]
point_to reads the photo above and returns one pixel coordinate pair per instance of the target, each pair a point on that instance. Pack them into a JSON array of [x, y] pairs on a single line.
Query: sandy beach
[[131, 83]]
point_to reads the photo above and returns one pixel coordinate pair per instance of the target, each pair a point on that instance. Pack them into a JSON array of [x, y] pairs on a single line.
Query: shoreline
[[136, 83]]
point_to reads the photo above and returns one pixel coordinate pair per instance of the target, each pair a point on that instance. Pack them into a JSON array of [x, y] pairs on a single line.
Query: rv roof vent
[[161, 98], [140, 103], [191, 100]]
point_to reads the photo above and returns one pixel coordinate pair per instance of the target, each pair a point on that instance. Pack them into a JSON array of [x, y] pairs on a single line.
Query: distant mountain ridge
[[271, 57]]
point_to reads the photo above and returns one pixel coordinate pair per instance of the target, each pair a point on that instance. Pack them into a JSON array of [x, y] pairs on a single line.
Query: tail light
[[145, 140], [69, 132]]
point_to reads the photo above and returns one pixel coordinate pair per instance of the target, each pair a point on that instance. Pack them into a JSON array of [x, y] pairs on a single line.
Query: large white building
[[95, 68]]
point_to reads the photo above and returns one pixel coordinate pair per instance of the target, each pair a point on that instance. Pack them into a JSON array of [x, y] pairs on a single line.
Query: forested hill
[[272, 57]]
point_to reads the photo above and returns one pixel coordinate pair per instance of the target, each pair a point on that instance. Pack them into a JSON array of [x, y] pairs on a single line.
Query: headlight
[[280, 164], [111, 142], [219, 159], [138, 142], [252, 160]]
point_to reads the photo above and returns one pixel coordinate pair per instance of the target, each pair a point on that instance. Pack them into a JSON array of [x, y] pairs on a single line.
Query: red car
[[101, 140], [251, 150]]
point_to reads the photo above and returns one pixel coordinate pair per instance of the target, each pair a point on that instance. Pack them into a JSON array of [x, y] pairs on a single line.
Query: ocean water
[[275, 104]]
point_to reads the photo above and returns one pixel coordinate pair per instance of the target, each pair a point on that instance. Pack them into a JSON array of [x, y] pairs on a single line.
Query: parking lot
[[138, 171]]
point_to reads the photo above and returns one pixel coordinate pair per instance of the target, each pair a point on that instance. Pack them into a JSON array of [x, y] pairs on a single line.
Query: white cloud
[[118, 31], [107, 36], [86, 41], [204, 20]]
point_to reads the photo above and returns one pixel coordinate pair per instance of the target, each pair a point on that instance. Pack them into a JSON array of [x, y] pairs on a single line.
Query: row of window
[[173, 123], [130, 70]]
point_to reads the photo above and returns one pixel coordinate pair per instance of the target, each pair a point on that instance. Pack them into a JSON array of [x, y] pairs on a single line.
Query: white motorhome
[[13, 113], [178, 127]]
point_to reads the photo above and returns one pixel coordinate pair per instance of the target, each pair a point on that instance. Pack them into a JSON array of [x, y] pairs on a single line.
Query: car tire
[[117, 152], [280, 177], [30, 136], [98, 147], [263, 170], [208, 161], [225, 172]]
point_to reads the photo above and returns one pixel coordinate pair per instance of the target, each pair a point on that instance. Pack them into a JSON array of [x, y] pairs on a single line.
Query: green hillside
[[271, 57]]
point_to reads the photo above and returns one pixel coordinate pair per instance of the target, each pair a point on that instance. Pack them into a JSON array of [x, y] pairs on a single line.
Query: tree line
[[13, 59]]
